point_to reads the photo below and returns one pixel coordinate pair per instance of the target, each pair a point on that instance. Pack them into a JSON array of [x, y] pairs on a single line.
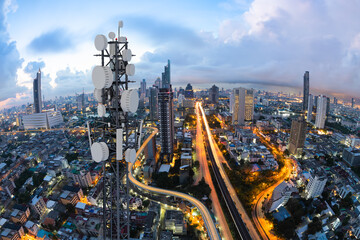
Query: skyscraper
[[153, 102], [166, 114], [297, 136], [189, 93], [306, 90], [327, 106], [143, 88], [214, 94], [166, 117], [243, 107], [352, 102], [335, 101], [310, 108], [37, 93], [165, 76], [321, 112], [158, 83]]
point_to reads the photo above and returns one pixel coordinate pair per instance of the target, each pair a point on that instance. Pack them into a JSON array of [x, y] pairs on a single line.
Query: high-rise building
[[158, 83], [214, 94], [231, 102], [310, 108], [316, 99], [37, 93], [327, 106], [315, 186], [153, 103], [321, 112], [243, 107], [335, 101], [297, 136], [166, 117], [166, 114], [352, 102], [189, 93], [165, 76], [143, 88], [306, 91]]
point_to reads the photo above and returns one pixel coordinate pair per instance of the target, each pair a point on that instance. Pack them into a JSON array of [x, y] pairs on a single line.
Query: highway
[[209, 224], [237, 211], [205, 173]]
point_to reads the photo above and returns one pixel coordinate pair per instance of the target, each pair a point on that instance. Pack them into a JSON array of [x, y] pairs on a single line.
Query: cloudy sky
[[260, 42]]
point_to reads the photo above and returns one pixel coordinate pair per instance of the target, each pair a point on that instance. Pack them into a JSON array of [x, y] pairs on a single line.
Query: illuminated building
[[166, 114], [243, 105]]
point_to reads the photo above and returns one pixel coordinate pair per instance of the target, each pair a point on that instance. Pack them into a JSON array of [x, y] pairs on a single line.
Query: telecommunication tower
[[109, 134]]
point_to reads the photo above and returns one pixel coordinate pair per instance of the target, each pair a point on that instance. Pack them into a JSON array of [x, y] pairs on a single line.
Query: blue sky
[[227, 42]]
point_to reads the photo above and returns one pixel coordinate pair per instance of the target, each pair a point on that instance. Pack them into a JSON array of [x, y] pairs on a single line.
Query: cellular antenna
[[110, 134]]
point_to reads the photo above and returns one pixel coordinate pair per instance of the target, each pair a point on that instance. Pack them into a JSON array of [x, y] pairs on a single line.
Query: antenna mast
[[109, 137]]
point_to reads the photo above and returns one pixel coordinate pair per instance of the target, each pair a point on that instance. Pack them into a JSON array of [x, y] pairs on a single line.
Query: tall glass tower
[[37, 93]]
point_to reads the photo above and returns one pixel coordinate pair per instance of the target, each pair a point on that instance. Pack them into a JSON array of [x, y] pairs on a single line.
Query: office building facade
[[214, 94], [166, 114], [297, 136], [153, 104], [189, 93], [243, 105], [321, 112], [315, 187], [310, 108]]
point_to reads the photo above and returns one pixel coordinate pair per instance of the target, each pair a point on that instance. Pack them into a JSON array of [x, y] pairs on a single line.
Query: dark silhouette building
[[306, 91], [37, 93]]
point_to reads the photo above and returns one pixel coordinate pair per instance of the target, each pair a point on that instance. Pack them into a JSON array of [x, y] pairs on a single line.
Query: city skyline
[[248, 33]]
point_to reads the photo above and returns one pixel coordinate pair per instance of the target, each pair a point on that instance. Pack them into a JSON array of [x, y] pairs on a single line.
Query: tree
[[285, 228], [346, 202], [38, 178], [315, 226], [286, 152]]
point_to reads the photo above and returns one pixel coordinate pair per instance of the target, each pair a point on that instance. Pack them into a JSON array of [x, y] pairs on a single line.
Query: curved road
[[258, 215], [209, 224]]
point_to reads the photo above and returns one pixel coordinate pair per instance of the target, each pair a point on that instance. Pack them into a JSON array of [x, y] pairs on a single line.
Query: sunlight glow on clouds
[[218, 41]]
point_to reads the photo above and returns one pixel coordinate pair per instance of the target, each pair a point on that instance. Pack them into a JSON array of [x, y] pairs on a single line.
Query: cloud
[[34, 66], [68, 82], [54, 41], [271, 43], [160, 32], [9, 57]]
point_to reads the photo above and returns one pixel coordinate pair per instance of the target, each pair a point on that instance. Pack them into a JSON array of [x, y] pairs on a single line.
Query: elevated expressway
[[242, 222], [209, 224]]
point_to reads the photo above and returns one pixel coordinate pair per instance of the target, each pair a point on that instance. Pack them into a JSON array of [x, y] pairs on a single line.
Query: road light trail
[[209, 224], [218, 157], [205, 173]]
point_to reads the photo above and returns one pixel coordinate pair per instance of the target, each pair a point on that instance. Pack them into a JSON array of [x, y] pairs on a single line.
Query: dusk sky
[[269, 43]]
